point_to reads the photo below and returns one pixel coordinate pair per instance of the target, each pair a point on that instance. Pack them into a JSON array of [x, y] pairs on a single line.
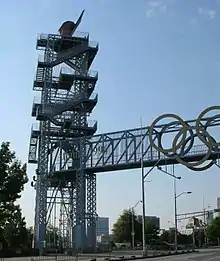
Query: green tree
[[15, 231], [13, 176], [30, 232], [166, 237], [151, 232], [184, 239], [213, 230], [123, 227]]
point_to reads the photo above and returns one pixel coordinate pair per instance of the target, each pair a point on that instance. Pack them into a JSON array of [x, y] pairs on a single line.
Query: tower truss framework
[[66, 99]]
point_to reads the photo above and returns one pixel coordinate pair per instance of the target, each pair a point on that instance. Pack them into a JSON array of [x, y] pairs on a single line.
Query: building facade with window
[[102, 226], [150, 219]]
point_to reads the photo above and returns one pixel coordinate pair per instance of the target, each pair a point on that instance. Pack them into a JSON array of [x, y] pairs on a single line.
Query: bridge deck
[[150, 159], [124, 150]]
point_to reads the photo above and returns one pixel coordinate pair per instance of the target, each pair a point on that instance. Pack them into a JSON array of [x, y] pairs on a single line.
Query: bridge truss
[[68, 154], [123, 150]]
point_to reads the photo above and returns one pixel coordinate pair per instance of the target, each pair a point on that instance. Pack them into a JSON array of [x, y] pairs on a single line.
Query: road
[[203, 255]]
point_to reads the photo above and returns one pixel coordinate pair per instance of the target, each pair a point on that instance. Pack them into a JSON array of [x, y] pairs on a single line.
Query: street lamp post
[[143, 207], [175, 214], [132, 228], [175, 211], [132, 223], [175, 200], [143, 177], [175, 197]]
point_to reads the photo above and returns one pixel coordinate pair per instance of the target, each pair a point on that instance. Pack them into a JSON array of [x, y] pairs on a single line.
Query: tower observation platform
[[67, 152]]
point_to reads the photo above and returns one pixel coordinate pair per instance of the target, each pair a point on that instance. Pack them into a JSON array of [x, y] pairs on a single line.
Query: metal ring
[[190, 164], [190, 139], [207, 124], [209, 165], [182, 148], [199, 130], [151, 129]]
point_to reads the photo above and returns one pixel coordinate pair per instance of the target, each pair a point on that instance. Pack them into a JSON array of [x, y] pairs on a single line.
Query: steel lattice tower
[[66, 101]]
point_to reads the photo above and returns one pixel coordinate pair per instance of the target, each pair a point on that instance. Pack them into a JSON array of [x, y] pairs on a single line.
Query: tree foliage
[[168, 236], [13, 176], [15, 231], [122, 229], [30, 232], [151, 232], [213, 230]]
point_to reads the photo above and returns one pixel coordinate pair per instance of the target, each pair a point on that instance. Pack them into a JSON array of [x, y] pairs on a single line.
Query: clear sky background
[[155, 57]]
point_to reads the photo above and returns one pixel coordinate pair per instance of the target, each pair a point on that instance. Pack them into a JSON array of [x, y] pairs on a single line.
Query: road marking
[[212, 258]]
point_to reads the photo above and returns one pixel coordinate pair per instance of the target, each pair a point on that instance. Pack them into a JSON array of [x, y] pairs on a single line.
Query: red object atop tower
[[69, 27]]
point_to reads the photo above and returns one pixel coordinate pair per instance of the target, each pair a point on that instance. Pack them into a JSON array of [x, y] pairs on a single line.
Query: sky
[[155, 57]]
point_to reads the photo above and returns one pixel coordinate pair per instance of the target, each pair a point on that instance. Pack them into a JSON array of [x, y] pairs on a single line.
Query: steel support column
[[80, 230], [91, 211]]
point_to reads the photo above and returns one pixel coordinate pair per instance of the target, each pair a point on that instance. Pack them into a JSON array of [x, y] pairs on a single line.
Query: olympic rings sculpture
[[184, 139]]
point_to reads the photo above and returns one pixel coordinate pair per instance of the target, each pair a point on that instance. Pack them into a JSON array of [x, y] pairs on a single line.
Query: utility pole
[[175, 211], [132, 224], [143, 193], [132, 228]]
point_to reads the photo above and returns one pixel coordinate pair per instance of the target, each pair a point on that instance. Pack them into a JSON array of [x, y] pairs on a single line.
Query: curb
[[154, 256]]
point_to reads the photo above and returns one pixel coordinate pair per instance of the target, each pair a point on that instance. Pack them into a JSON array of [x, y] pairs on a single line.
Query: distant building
[[102, 226], [150, 219], [218, 206], [103, 239]]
